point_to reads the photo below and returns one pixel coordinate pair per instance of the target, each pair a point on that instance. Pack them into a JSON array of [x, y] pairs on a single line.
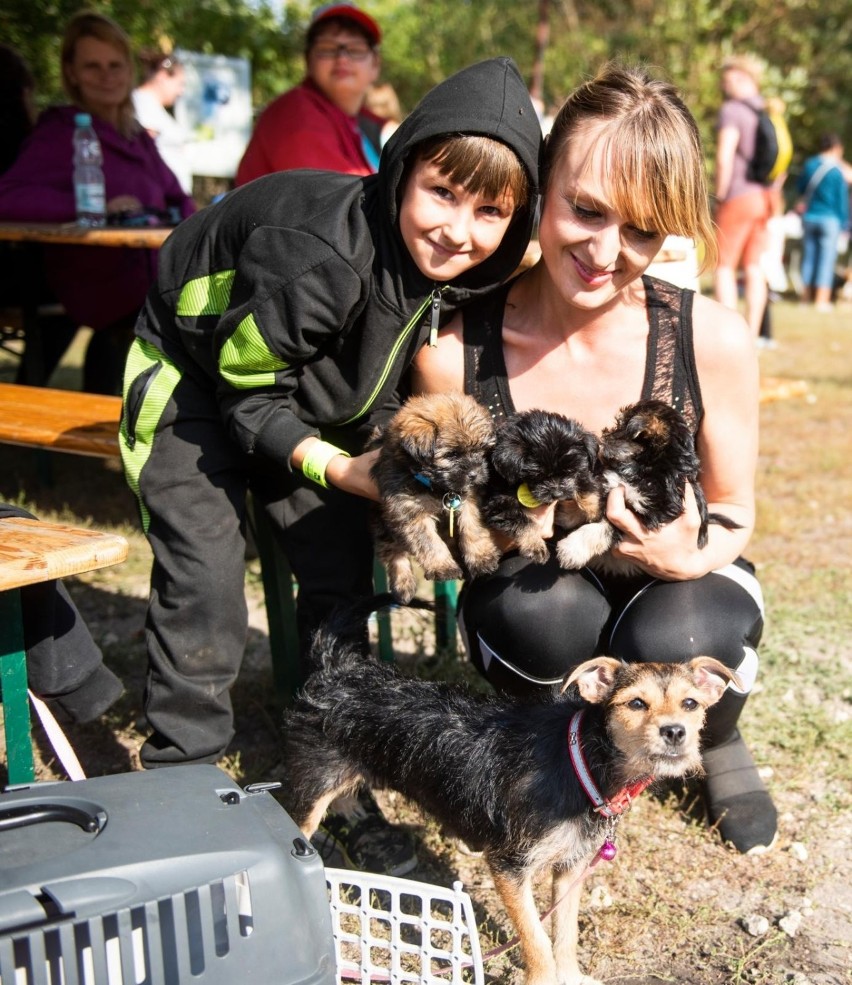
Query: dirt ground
[[675, 906]]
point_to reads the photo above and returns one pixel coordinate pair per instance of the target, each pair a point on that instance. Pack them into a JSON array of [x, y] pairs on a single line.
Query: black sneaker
[[366, 840]]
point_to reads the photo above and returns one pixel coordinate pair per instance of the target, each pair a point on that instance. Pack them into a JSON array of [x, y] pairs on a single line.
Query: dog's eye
[[690, 704], [637, 704]]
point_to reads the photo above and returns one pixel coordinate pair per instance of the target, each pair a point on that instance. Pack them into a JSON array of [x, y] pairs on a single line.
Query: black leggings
[[527, 625]]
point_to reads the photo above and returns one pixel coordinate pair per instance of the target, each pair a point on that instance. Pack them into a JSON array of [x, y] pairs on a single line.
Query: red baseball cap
[[350, 12]]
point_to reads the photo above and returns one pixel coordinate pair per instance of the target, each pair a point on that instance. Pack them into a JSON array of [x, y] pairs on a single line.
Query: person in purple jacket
[[101, 287]]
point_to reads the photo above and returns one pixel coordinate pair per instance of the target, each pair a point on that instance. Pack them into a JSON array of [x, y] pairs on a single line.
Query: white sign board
[[216, 111]]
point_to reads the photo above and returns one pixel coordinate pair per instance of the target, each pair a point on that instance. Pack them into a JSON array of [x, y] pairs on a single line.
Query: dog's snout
[[674, 733]]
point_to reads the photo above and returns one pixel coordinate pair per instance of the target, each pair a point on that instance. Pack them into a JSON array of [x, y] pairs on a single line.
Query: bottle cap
[[83, 119]]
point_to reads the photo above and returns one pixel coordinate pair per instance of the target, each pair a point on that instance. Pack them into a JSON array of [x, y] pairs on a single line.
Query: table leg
[[13, 685]]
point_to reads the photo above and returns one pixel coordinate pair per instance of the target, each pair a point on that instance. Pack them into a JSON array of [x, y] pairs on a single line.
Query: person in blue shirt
[[825, 194]]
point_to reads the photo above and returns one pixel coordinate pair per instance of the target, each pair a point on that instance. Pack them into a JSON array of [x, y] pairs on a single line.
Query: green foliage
[[806, 44]]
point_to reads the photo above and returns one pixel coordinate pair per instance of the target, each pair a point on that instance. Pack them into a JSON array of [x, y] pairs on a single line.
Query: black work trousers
[[192, 481]]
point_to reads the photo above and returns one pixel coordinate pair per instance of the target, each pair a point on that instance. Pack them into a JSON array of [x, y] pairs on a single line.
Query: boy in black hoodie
[[280, 326]]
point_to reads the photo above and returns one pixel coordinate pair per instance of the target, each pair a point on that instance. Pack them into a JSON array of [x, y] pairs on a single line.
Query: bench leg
[[446, 597], [13, 685]]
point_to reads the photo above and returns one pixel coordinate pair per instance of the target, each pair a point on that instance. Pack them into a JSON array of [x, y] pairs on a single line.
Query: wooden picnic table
[[33, 551], [145, 238]]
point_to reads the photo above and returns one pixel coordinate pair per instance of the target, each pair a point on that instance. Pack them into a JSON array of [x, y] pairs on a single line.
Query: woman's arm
[[726, 359], [440, 368]]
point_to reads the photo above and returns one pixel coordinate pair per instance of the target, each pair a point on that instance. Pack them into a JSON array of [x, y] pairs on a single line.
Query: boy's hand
[[353, 474]]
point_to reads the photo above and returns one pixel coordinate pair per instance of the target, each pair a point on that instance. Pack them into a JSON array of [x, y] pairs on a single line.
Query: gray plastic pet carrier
[[167, 877]]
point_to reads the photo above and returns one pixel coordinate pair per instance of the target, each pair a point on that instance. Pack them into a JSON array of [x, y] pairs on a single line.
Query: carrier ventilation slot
[[168, 940]]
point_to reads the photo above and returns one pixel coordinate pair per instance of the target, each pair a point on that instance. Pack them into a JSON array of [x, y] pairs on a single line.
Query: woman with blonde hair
[[583, 333], [101, 287]]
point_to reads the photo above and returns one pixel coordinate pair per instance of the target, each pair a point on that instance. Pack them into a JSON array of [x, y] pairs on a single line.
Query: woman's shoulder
[[721, 336]]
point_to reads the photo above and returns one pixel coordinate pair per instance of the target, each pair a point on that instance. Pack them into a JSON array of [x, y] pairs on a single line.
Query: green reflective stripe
[[136, 448], [246, 360], [206, 295], [401, 339]]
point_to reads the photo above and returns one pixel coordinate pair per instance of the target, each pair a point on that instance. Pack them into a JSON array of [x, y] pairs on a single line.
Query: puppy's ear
[[594, 679], [712, 676], [591, 444], [418, 439]]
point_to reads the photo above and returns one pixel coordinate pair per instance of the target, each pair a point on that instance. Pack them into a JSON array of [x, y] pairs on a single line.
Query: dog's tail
[[342, 638]]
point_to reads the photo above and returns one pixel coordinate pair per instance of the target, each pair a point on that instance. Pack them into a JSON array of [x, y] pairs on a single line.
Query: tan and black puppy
[[539, 457], [431, 470], [650, 451]]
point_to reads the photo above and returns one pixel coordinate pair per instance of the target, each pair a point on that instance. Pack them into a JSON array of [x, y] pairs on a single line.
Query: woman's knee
[[527, 624]]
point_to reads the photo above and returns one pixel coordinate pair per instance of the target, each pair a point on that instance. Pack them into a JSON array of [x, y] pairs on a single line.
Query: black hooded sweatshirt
[[295, 296]]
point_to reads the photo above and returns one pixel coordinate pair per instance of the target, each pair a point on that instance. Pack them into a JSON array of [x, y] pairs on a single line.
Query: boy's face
[[447, 229]]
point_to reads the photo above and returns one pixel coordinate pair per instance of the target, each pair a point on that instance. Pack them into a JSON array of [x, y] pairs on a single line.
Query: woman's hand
[[124, 203], [670, 552]]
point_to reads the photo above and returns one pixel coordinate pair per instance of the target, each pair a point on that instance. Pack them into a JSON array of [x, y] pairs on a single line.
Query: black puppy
[[538, 457], [502, 776], [649, 451]]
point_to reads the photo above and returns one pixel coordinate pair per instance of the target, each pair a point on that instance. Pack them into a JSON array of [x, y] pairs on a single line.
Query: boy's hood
[[489, 98]]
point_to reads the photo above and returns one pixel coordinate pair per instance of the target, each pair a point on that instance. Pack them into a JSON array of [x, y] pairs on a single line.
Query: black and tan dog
[[539, 457], [431, 470], [649, 451], [500, 775]]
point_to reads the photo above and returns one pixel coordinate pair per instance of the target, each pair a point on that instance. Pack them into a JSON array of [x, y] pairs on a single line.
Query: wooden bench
[[33, 551], [87, 424]]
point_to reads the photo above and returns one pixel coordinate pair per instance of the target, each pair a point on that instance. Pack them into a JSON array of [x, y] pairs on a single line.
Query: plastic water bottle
[[89, 192]]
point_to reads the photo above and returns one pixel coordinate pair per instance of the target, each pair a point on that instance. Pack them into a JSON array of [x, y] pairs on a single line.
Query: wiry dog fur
[[554, 456], [436, 446], [497, 773], [649, 451]]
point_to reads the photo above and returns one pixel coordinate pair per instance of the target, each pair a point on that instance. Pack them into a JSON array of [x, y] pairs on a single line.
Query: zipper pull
[[436, 311]]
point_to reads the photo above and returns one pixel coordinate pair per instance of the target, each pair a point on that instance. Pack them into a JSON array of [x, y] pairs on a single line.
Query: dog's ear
[[594, 679], [712, 676], [418, 439]]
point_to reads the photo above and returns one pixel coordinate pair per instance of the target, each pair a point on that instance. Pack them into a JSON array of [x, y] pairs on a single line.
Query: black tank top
[[670, 373]]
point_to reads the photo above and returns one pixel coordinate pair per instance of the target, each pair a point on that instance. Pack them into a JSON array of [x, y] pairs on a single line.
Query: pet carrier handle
[[22, 817]]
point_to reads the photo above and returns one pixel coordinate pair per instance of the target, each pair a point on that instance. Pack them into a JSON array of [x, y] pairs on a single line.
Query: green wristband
[[316, 461]]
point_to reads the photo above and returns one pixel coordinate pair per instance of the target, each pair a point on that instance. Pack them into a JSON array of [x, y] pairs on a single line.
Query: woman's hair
[[16, 84], [482, 165], [88, 24], [151, 62], [652, 148]]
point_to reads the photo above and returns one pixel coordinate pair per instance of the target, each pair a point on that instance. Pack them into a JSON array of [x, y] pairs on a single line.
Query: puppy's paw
[[581, 545], [483, 559], [402, 581], [443, 572]]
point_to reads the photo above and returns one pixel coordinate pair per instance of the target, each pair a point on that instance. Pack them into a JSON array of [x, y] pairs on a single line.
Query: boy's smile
[[447, 229]]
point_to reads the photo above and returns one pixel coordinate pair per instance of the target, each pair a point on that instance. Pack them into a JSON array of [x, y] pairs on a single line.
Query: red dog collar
[[616, 805]]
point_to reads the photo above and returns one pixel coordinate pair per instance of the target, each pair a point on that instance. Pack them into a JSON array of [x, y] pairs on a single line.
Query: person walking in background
[[99, 286], [163, 83], [323, 122], [825, 200], [743, 206]]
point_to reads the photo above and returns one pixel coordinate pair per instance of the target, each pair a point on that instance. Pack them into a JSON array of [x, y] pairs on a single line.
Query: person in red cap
[[322, 122]]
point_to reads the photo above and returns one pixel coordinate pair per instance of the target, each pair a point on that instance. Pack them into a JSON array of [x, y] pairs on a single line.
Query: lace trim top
[[670, 373]]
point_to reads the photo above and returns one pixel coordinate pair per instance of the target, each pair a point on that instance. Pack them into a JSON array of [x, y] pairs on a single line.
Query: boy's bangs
[[484, 167]]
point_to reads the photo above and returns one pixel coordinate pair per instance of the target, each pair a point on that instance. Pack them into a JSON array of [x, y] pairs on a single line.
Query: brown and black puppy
[[539, 457], [431, 470], [501, 774], [649, 451]]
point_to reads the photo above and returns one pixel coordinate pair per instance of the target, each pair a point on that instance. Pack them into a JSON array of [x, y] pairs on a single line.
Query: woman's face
[[102, 75], [592, 252]]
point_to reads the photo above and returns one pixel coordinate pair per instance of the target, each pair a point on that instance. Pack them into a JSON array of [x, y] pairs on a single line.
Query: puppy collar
[[451, 501], [615, 806]]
